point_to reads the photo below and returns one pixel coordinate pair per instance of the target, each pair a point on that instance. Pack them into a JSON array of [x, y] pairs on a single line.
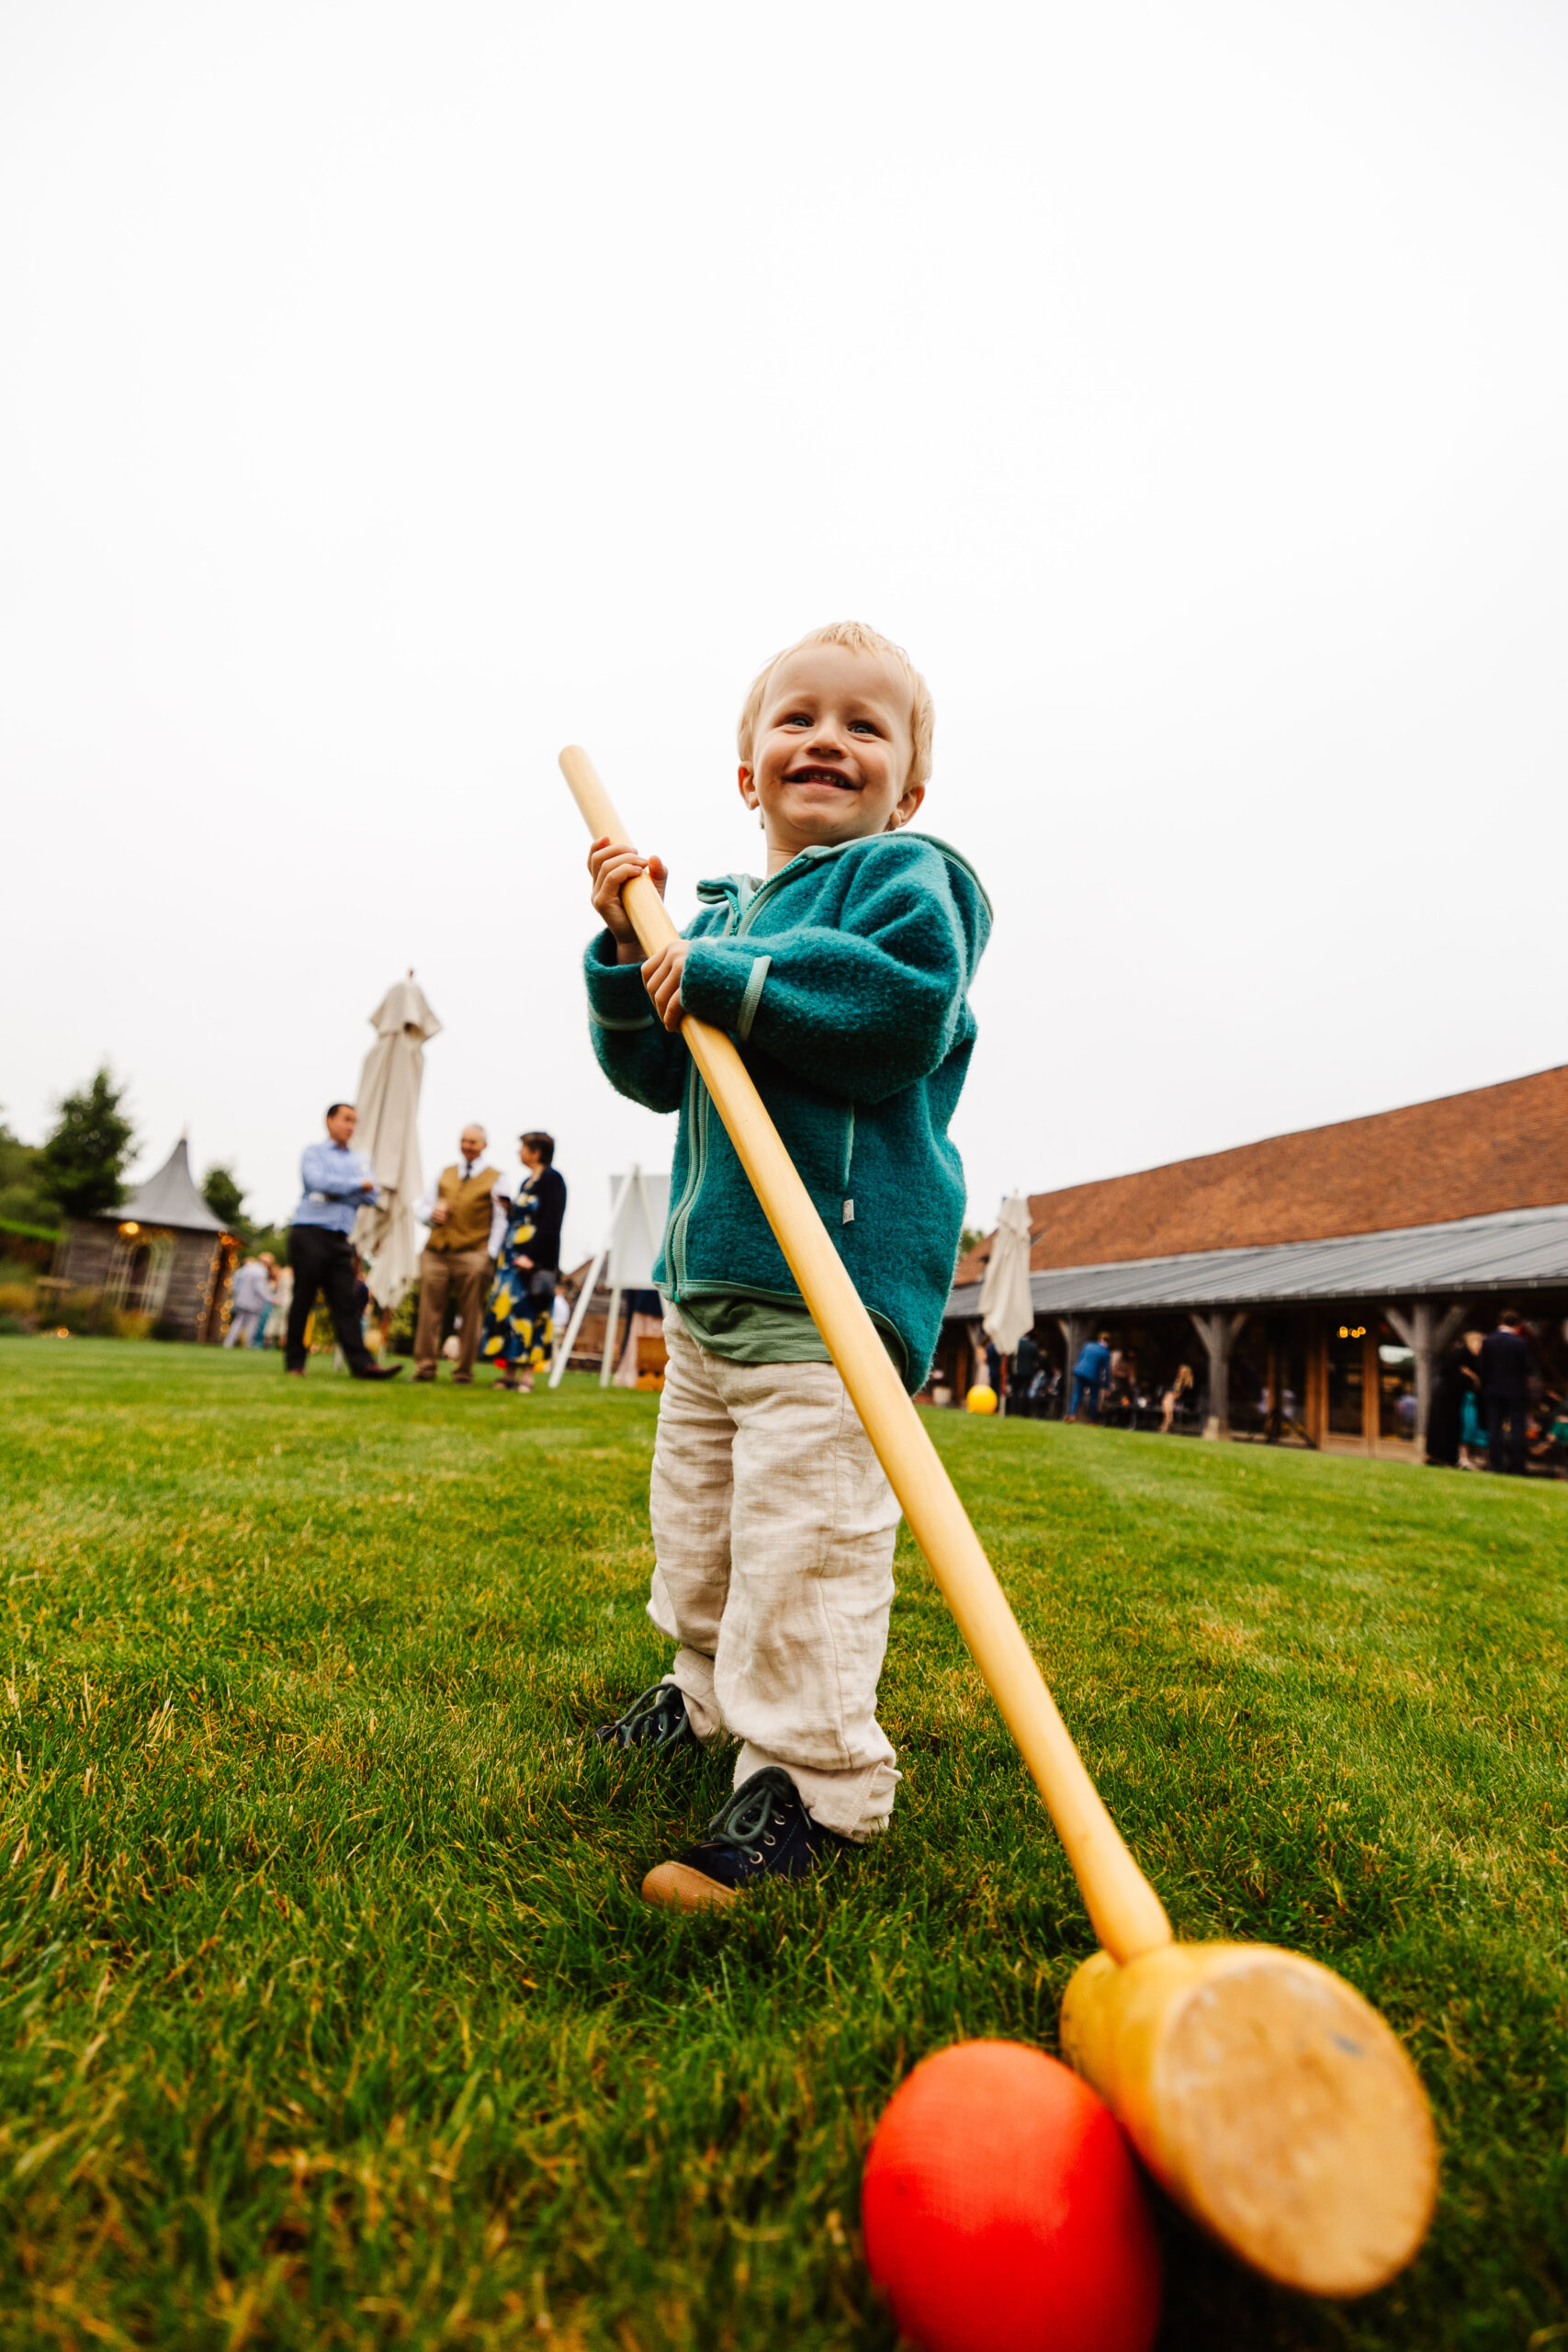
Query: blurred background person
[[1089, 1376], [1472, 1427], [1180, 1388], [519, 1327], [1027, 1367], [277, 1304], [250, 1301], [275, 1320], [1506, 1389], [338, 1182], [1458, 1379], [463, 1212]]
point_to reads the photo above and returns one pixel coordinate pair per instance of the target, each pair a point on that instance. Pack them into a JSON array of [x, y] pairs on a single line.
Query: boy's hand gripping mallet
[[1260, 2090]]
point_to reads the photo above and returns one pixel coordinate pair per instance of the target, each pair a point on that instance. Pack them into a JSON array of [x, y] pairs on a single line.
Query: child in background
[[843, 977]]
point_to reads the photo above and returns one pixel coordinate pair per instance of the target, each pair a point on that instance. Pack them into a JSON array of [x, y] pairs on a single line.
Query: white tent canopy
[[638, 1206], [388, 1134]]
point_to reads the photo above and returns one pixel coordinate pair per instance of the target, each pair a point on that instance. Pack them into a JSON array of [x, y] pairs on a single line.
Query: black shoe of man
[[379, 1372], [656, 1718], [763, 1832]]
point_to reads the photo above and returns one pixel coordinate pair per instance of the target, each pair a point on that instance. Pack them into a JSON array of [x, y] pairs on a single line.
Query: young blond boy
[[843, 977]]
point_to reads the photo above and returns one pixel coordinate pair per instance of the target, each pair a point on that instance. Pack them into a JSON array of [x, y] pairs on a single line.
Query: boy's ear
[[908, 804], [748, 788]]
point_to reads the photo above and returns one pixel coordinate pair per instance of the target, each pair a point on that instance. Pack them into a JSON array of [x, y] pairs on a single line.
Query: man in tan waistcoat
[[458, 1208]]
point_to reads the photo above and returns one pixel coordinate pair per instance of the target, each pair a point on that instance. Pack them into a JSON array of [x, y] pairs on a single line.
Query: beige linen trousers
[[773, 1527]]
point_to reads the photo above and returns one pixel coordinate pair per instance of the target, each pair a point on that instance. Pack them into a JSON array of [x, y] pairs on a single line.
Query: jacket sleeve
[[862, 1008], [640, 1056]]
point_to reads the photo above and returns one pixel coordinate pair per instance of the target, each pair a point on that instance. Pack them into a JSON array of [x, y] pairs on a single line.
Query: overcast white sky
[[393, 393]]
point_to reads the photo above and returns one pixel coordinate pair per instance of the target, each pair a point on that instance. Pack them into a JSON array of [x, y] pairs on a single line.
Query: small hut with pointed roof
[[163, 1255]]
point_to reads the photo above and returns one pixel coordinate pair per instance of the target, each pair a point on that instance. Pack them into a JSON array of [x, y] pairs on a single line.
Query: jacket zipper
[[698, 1106], [744, 924], [752, 904], [696, 1125]]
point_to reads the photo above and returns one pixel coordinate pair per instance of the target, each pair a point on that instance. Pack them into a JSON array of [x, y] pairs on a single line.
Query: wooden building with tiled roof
[[1326, 1269]]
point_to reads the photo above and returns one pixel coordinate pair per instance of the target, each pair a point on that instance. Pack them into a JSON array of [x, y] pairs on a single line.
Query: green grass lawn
[[328, 2011]]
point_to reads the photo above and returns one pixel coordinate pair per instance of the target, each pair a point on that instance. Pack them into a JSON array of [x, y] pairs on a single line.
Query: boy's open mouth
[[821, 776]]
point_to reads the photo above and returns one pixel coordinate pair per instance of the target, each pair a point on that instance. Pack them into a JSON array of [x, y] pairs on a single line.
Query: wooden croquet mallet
[[1264, 2092]]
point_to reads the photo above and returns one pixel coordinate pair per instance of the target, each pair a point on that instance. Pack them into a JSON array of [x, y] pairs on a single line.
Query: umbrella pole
[[563, 1352], [612, 1333]]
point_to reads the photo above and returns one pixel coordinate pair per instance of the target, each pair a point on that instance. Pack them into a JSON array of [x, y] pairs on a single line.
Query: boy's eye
[[863, 726], [798, 718]]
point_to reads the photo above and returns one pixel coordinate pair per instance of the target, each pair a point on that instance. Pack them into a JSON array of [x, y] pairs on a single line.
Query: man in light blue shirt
[[338, 1183]]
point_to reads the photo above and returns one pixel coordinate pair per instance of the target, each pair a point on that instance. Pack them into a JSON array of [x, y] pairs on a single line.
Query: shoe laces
[[764, 1801], [661, 1702]]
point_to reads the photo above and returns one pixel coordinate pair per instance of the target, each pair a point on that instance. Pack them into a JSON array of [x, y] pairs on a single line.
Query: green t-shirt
[[743, 1329]]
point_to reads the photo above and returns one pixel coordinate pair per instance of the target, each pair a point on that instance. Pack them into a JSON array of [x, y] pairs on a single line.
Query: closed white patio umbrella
[[1007, 1309], [388, 1134]]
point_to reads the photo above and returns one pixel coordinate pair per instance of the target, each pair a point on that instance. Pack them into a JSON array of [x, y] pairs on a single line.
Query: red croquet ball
[[1003, 2212]]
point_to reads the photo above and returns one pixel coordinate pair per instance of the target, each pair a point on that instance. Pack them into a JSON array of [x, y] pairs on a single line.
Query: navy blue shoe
[[656, 1718], [763, 1831]]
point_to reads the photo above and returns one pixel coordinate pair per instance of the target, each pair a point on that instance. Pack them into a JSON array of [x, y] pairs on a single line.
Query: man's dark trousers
[[1505, 1387], [1512, 1410], [324, 1262]]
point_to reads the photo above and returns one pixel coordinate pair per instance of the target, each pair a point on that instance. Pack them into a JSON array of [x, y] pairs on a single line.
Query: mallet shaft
[[1127, 1915]]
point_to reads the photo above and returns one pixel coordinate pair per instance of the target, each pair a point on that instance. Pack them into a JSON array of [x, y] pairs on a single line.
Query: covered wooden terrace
[[1330, 1343]]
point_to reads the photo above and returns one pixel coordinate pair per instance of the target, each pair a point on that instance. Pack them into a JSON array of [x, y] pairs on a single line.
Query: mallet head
[[1269, 2100]]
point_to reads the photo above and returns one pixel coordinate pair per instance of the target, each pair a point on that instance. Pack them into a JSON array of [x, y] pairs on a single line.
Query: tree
[[84, 1159], [24, 1193], [967, 1239], [222, 1192]]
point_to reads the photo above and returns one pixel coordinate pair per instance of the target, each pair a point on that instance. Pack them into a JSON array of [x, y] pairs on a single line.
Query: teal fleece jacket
[[844, 980]]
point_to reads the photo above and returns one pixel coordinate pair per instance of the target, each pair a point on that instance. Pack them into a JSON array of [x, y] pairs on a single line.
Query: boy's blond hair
[[859, 639]]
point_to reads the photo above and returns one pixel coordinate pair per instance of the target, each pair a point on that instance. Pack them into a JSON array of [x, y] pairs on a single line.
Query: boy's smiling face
[[832, 748]]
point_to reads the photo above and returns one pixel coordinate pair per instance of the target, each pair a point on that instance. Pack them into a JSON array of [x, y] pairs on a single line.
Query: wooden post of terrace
[[1315, 1419], [1371, 1387], [1219, 1333], [1426, 1334]]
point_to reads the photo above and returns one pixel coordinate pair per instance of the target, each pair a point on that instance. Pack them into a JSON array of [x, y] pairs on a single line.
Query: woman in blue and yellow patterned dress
[[517, 1327]]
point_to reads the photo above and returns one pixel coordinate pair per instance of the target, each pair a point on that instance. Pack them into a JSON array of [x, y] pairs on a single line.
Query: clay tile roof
[[1465, 1155]]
